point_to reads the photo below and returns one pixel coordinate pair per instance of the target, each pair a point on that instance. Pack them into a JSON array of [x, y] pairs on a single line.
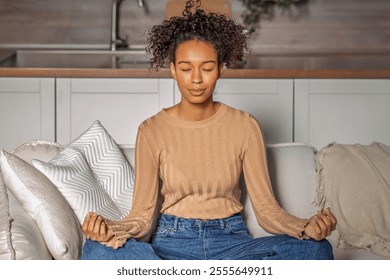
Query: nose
[[196, 77]]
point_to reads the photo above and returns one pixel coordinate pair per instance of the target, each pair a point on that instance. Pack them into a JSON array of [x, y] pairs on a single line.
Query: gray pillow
[[292, 170]]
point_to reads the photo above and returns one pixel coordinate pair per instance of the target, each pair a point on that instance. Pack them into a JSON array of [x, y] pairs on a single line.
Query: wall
[[329, 26], [324, 26], [55, 22]]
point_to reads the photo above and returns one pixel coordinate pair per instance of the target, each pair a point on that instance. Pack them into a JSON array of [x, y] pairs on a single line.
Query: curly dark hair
[[228, 37]]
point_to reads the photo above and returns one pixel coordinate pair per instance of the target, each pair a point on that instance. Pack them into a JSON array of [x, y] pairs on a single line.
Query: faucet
[[140, 3], [116, 41]]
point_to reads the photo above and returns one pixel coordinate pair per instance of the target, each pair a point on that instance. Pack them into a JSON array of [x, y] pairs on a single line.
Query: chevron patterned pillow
[[93, 175]]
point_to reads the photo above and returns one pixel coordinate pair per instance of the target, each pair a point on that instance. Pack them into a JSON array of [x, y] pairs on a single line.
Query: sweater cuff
[[115, 242]]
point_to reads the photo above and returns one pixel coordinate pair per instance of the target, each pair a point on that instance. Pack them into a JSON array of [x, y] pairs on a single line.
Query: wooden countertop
[[373, 66], [239, 73]]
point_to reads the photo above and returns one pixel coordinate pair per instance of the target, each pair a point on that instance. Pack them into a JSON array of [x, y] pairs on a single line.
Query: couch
[[32, 220]]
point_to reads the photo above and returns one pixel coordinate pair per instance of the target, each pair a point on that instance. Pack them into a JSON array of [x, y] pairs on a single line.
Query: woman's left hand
[[321, 225], [95, 228]]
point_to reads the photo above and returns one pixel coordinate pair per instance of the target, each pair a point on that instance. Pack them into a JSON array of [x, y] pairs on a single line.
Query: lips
[[197, 91]]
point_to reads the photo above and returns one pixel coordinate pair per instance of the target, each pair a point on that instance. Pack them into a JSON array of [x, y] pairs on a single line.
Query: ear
[[221, 68], [173, 70]]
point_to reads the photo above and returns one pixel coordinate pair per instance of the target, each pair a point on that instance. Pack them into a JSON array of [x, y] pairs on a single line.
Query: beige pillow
[[45, 204], [354, 180]]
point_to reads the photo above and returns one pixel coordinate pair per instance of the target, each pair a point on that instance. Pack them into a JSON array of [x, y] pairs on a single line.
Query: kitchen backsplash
[[320, 26]]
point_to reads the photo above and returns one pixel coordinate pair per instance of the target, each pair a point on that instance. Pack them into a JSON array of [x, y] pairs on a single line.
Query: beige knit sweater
[[199, 164]]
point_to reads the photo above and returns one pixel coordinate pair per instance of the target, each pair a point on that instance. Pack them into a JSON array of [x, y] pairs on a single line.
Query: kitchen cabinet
[[27, 110], [314, 111], [342, 110], [119, 104]]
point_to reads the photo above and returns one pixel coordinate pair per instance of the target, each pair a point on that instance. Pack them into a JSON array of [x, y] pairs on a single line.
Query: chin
[[199, 100]]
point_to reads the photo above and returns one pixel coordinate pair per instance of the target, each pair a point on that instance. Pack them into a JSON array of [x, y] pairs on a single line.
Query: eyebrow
[[204, 62]]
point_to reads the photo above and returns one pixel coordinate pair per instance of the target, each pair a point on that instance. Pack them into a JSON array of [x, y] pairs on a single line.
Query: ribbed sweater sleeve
[[138, 222], [267, 210]]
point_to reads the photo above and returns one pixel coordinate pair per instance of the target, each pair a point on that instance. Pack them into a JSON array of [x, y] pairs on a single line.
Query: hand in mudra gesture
[[321, 225], [95, 228]]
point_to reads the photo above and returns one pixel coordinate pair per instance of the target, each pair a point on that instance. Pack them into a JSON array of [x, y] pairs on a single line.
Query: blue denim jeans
[[228, 239], [131, 250], [221, 239]]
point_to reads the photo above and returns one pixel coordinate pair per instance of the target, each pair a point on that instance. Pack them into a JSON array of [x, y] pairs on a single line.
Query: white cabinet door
[[270, 101], [119, 104], [27, 110], [343, 110]]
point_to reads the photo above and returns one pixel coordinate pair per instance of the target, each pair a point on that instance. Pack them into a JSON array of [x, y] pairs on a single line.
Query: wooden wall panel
[[321, 26]]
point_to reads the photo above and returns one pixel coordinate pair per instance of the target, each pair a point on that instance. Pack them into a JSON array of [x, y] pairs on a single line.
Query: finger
[[98, 222], [328, 223], [331, 217], [105, 231], [84, 226], [323, 221], [103, 228], [323, 227], [92, 221], [109, 232], [102, 232], [315, 226]]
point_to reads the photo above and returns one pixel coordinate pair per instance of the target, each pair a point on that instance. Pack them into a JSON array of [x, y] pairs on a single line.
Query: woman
[[198, 149]]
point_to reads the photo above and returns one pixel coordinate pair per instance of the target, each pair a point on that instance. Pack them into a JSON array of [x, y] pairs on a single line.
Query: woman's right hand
[[95, 228]]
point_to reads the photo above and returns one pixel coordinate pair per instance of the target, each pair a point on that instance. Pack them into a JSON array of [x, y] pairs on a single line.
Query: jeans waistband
[[175, 221]]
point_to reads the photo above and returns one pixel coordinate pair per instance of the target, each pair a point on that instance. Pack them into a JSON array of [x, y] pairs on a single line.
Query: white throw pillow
[[7, 251], [27, 238], [93, 175], [45, 204], [37, 149]]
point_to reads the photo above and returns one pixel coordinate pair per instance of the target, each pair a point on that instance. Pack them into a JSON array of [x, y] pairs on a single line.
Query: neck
[[197, 112]]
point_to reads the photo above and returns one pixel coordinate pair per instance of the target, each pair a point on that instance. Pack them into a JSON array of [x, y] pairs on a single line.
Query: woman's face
[[196, 71]]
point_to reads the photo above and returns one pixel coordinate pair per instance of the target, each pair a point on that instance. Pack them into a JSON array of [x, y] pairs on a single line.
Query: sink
[[127, 58], [5, 57]]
